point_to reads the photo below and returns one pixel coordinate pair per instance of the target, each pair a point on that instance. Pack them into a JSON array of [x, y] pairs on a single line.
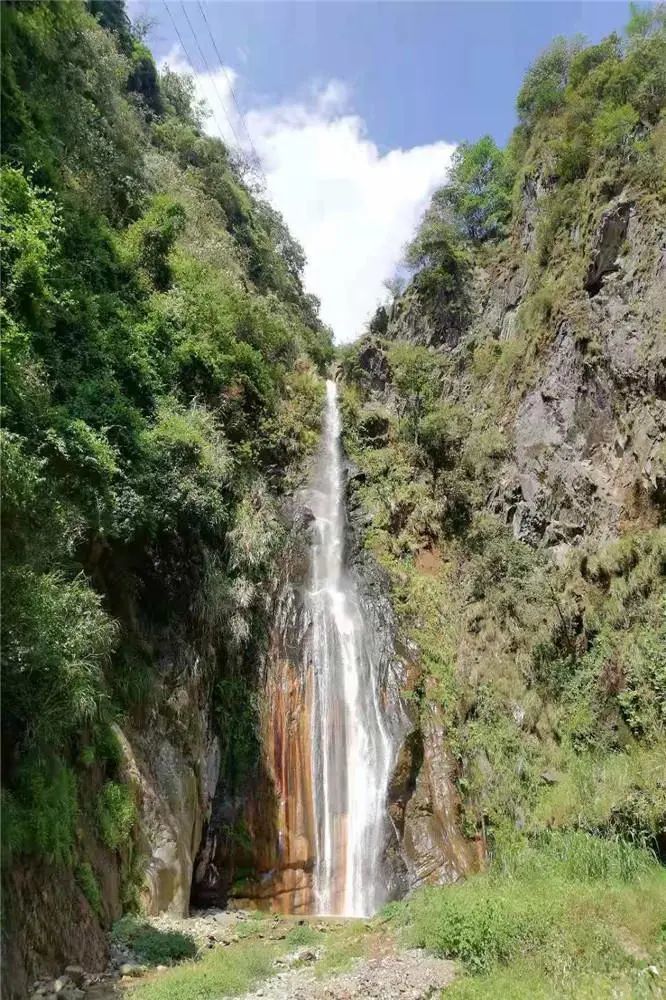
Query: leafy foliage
[[543, 90], [116, 813], [549, 677], [562, 916], [155, 324], [89, 885], [152, 946], [39, 813], [478, 192]]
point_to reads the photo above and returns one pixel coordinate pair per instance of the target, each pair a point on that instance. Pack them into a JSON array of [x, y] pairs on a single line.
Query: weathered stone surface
[[75, 973], [258, 847], [374, 364], [47, 923], [533, 191], [588, 437], [174, 789], [438, 322], [412, 975], [608, 239], [425, 807]]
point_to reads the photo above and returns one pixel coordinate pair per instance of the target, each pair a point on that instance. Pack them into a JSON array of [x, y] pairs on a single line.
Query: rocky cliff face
[[586, 420], [589, 434], [258, 843], [173, 766], [423, 802], [171, 763], [503, 447]]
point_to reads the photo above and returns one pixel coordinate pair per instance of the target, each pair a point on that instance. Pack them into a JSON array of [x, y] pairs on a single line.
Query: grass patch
[[116, 813], [348, 942], [568, 915], [302, 934], [576, 856], [222, 972], [625, 791], [482, 924], [89, 885], [150, 945]]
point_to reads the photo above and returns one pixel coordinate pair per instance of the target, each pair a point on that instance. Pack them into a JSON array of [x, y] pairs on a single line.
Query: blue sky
[[354, 108]]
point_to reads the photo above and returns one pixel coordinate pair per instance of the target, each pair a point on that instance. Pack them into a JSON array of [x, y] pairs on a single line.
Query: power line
[[211, 74], [191, 63], [232, 92]]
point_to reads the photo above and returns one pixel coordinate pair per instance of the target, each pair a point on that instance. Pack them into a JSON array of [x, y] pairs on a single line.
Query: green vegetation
[[568, 666], [116, 813], [478, 194], [39, 812], [161, 386], [222, 972], [570, 917], [150, 945], [89, 885], [549, 674]]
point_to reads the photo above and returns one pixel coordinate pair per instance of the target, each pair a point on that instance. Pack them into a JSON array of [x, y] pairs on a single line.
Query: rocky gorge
[[325, 668]]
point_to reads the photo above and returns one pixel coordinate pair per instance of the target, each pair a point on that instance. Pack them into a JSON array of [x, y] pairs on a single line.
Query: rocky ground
[[409, 975], [379, 972]]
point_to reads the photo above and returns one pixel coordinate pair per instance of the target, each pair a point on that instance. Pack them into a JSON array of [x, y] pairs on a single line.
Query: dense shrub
[[39, 813], [481, 925], [150, 945], [560, 916]]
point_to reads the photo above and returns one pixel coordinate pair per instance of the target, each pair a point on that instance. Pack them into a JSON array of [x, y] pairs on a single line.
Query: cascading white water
[[351, 742]]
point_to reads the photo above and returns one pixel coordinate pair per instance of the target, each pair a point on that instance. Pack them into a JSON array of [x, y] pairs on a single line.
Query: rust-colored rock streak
[[318, 821], [287, 726]]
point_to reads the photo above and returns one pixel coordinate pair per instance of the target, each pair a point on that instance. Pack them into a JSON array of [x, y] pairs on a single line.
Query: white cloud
[[352, 207]]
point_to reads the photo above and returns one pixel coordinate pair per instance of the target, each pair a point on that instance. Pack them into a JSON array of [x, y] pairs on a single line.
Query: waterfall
[[352, 746]]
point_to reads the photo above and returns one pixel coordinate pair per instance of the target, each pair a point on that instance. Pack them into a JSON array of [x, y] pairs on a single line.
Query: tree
[[441, 435], [416, 376], [545, 82], [479, 190], [644, 22]]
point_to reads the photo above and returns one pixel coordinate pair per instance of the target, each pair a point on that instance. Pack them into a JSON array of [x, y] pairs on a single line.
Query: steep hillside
[[160, 388], [507, 417], [505, 424]]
